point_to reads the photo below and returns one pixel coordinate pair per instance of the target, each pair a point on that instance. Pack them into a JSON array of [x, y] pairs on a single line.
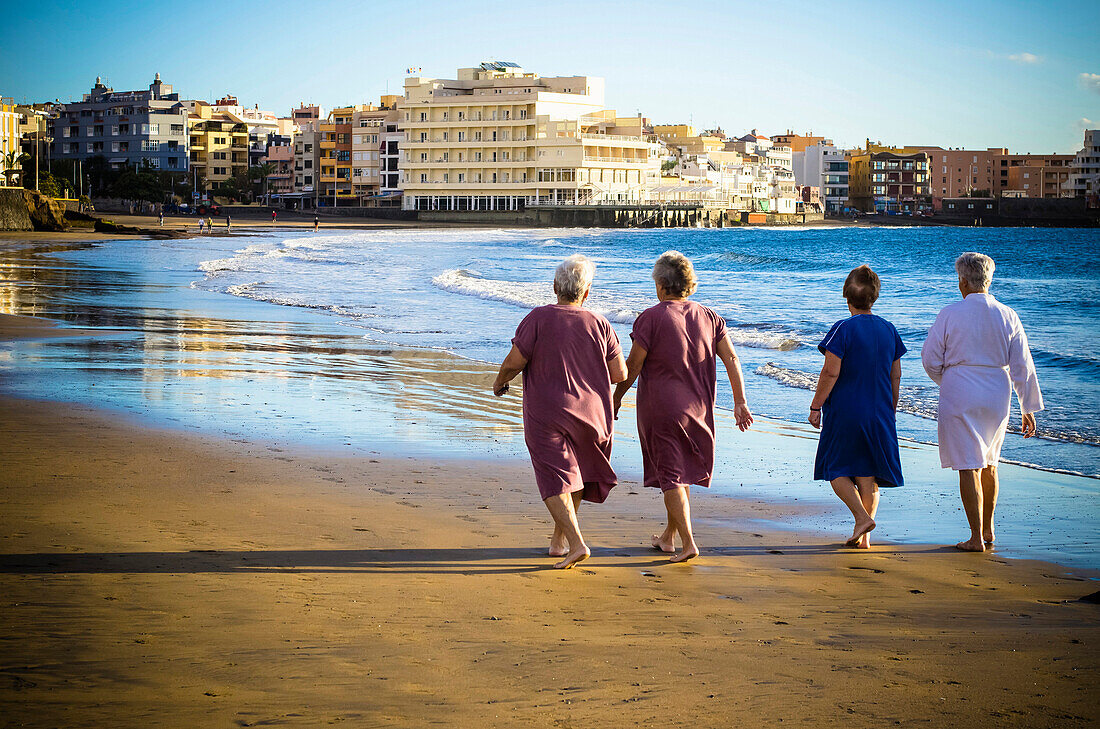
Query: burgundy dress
[[676, 390], [567, 419]]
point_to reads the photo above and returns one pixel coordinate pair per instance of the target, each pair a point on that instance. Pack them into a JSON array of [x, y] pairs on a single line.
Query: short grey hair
[[674, 272], [976, 269], [574, 276]]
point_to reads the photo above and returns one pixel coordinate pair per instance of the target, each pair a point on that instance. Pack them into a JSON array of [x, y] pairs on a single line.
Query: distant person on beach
[[676, 347], [856, 403], [210, 224], [977, 352], [569, 358], [274, 216], [162, 218], [201, 221], [316, 223], [227, 221]]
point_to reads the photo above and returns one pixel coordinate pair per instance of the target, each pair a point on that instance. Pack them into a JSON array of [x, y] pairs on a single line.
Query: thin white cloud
[[1084, 122], [1024, 58], [1090, 81]]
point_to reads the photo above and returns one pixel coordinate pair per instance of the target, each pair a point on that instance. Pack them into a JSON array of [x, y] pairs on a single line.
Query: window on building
[[423, 177]]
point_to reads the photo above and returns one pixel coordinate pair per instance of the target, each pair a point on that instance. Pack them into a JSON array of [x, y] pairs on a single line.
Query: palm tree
[[262, 172], [11, 160]]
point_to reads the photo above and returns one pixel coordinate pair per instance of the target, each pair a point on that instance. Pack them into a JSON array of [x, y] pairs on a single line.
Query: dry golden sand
[[152, 578]]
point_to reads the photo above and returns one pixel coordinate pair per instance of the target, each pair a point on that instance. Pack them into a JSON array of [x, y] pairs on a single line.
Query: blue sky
[[1025, 75]]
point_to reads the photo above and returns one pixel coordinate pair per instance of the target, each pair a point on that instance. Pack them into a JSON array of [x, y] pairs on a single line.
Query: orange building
[[1043, 174], [335, 179], [798, 142], [961, 172]]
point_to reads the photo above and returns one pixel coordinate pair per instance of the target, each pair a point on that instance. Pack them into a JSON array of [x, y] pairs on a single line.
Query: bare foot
[[864, 543], [988, 537], [661, 544], [971, 545], [573, 558], [559, 547], [861, 528], [689, 552]]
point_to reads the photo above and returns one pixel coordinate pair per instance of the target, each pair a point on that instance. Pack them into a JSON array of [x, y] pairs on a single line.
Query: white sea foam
[[528, 295]]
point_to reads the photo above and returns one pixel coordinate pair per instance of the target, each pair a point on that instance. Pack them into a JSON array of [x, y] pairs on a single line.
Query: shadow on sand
[[480, 560]]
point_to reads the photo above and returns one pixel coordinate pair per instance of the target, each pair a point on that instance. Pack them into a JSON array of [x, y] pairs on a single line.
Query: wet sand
[[154, 578]]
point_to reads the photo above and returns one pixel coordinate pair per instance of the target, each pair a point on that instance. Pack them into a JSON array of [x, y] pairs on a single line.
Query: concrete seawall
[[14, 213]]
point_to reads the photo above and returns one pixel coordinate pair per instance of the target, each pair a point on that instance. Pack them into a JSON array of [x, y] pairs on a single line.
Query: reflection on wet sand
[[161, 351]]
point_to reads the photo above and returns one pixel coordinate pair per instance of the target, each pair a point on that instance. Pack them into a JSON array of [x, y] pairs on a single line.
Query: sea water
[[385, 341], [779, 290]]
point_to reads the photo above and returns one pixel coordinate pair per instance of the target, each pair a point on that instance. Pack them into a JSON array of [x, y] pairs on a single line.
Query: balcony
[[617, 160]]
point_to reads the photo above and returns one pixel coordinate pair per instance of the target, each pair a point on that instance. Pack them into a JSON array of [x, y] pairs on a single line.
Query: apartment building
[[1047, 178], [280, 155], [1084, 178], [307, 155], [128, 128], [501, 138], [10, 138], [960, 172], [825, 167], [798, 142], [367, 141], [218, 146], [1046, 167], [889, 181], [389, 161], [262, 126], [684, 139]]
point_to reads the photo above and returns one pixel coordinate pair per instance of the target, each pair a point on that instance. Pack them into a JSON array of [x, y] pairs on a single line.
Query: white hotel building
[[501, 138]]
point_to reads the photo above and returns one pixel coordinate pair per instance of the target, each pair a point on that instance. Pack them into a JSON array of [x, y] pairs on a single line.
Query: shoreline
[[219, 581]]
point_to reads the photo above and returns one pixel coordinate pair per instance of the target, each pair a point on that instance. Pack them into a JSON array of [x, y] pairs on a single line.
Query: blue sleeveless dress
[[858, 427]]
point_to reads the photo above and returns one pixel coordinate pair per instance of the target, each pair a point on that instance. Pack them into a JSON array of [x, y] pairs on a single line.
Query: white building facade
[[825, 167], [501, 138]]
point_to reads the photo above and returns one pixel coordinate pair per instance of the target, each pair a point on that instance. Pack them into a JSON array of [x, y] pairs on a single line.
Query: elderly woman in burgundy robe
[[570, 358], [675, 351]]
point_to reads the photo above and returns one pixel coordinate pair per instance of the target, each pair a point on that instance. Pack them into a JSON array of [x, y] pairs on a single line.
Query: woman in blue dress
[[856, 403]]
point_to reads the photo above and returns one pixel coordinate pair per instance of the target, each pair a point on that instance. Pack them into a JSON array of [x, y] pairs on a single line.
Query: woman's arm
[[616, 369], [632, 367], [728, 356], [513, 364], [934, 350], [830, 371], [895, 381]]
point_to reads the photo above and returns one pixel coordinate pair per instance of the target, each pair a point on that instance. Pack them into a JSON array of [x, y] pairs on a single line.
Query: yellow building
[[218, 144], [10, 137], [501, 138], [686, 140], [889, 179]]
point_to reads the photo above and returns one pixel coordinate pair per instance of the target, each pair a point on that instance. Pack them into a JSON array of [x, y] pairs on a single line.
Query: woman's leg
[[989, 501], [679, 517], [565, 518], [845, 488], [970, 488], [559, 547], [666, 540], [868, 495]]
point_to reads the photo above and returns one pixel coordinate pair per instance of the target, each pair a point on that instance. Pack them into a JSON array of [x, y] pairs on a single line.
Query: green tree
[[260, 173], [138, 184]]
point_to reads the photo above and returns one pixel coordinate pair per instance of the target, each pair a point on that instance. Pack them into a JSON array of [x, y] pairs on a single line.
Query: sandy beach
[[151, 577]]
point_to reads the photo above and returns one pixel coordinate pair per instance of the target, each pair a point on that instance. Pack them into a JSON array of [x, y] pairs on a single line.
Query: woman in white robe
[[977, 353]]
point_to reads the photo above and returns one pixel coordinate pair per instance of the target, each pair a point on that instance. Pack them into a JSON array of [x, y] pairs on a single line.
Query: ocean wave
[[919, 401], [528, 295], [254, 290]]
